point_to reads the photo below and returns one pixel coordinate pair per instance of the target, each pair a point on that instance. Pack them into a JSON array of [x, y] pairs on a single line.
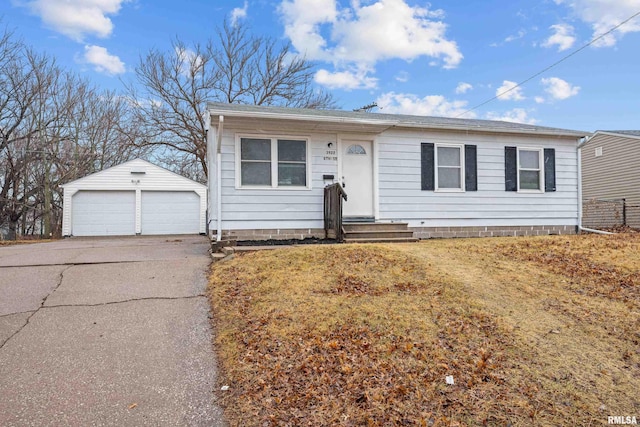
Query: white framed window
[[530, 170], [598, 151], [272, 162], [449, 167]]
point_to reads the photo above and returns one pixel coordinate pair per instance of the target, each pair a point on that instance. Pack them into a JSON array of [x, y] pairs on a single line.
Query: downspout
[[580, 227], [219, 178]]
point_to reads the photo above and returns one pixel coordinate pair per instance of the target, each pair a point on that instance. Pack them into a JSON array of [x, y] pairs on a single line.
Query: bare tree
[[173, 87], [54, 127]]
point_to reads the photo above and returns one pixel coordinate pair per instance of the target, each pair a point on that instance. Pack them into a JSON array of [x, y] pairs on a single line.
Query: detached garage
[[136, 197]]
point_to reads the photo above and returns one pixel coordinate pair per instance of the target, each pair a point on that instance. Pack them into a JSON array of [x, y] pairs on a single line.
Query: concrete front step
[[374, 226], [382, 240], [379, 234]]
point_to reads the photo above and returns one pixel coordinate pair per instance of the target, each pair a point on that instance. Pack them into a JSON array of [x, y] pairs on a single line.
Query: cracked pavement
[[111, 331]]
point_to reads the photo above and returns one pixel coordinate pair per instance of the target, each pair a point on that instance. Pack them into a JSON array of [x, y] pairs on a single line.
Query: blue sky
[[440, 58]]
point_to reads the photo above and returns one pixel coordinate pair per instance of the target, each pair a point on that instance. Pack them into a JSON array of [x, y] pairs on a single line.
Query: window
[[448, 167], [272, 162], [255, 165], [530, 169], [598, 151], [356, 149], [292, 162]]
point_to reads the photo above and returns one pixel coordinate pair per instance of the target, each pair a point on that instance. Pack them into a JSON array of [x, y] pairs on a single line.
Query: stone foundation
[[493, 231], [274, 234]]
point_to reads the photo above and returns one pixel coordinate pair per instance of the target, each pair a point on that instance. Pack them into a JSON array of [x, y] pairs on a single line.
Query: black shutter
[[470, 168], [510, 169], [427, 166], [549, 169]]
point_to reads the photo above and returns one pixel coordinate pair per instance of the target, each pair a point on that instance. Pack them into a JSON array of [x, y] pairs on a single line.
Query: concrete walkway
[[110, 331]]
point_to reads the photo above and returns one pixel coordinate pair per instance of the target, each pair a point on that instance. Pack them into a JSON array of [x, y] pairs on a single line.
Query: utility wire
[[552, 65]]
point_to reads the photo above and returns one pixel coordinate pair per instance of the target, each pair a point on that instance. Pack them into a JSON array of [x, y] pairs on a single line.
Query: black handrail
[[333, 195]]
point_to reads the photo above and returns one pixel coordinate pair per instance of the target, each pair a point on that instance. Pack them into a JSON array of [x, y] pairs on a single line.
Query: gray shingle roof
[[426, 122], [623, 132]]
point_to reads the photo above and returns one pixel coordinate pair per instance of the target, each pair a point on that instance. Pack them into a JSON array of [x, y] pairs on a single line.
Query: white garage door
[[103, 213], [170, 212]]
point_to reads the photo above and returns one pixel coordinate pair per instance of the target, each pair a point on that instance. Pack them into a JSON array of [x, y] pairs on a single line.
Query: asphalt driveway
[[110, 331]]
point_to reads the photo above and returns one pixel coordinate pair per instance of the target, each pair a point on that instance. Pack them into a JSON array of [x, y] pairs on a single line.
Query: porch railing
[[333, 196]]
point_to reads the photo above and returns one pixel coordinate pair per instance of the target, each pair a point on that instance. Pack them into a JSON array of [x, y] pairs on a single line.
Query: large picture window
[[273, 162]]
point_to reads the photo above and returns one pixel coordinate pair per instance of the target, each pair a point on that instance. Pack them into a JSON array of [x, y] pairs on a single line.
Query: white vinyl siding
[[401, 199], [283, 207], [397, 166], [274, 162]]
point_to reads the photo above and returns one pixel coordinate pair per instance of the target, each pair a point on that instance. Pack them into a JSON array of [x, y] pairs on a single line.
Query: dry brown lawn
[[534, 331]]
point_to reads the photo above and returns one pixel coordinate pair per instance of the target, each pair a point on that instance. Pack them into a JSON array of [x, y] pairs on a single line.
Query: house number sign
[[331, 154]]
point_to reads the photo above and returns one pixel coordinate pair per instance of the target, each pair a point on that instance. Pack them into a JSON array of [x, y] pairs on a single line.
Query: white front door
[[357, 178]]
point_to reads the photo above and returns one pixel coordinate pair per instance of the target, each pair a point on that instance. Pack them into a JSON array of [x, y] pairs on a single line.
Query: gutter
[[580, 227], [219, 178]]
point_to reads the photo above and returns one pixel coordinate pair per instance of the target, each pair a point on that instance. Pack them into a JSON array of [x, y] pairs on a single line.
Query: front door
[[357, 178]]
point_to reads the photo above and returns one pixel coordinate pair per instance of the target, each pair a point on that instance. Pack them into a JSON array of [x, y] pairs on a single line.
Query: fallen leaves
[[367, 335]]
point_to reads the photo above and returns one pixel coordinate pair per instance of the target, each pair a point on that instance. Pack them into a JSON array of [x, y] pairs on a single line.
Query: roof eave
[[621, 135], [390, 123]]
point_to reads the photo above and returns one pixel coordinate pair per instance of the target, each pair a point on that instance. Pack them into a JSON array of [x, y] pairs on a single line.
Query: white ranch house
[[443, 177]]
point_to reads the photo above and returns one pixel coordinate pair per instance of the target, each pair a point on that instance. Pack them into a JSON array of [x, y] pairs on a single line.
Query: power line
[[552, 65]]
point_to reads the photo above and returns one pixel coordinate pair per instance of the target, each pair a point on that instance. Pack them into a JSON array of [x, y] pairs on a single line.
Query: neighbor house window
[[273, 162], [529, 169]]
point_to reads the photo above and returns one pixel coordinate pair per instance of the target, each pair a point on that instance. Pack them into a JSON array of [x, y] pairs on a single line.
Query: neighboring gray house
[[610, 173], [443, 177]]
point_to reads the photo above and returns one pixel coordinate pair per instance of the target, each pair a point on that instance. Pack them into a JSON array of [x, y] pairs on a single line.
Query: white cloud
[[361, 35], [562, 36], [516, 115], [521, 33], [603, 15], [559, 89], [402, 77], [103, 61], [539, 99], [190, 62], [347, 80], [77, 18], [239, 13], [432, 105], [463, 87], [512, 94]]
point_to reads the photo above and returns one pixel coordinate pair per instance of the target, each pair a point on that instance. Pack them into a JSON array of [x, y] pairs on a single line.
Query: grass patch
[[534, 331], [22, 242]]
